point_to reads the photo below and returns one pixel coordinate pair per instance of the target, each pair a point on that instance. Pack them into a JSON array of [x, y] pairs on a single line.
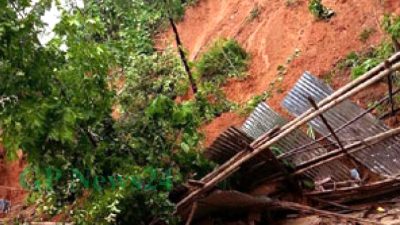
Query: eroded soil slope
[[272, 31], [271, 37]]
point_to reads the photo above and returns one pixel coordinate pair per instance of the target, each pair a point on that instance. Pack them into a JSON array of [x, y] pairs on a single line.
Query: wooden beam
[[196, 183], [390, 88], [309, 209], [192, 213]]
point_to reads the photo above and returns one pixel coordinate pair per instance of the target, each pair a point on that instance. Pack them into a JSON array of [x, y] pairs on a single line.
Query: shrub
[[366, 34], [363, 67], [254, 13], [319, 10], [362, 63], [392, 26], [225, 58]]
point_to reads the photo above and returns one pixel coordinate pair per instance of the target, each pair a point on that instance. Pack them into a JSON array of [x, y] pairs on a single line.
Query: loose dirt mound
[[272, 30]]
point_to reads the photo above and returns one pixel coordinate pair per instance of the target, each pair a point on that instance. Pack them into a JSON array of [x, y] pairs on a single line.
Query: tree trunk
[[182, 55]]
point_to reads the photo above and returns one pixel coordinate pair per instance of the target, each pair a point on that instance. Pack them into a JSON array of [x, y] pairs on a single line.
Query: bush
[[392, 26], [363, 63], [254, 13], [225, 58], [319, 10]]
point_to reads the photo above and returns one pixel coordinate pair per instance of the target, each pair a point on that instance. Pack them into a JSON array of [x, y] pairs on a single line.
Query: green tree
[[57, 101]]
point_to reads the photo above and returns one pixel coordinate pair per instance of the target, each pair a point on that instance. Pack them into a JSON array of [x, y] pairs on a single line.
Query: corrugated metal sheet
[[382, 158], [228, 144], [232, 141], [261, 120], [264, 119]]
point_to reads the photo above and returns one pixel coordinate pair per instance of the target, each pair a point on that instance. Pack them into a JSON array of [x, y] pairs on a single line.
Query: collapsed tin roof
[[353, 156]]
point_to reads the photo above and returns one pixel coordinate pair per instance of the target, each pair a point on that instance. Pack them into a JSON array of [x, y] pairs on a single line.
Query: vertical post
[[325, 121], [329, 127], [191, 215], [390, 88]]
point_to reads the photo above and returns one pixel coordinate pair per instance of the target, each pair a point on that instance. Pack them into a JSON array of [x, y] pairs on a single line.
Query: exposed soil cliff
[[272, 32]]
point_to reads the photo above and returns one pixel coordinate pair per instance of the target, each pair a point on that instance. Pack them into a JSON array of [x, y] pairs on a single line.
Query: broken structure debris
[[355, 157]]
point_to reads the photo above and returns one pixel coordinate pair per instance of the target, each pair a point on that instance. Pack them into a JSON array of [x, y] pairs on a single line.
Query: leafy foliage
[[319, 10], [58, 99], [250, 105], [212, 101], [311, 132], [225, 58], [163, 75], [362, 63], [391, 24]]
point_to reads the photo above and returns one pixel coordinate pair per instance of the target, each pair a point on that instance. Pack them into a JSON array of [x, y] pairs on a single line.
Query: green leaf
[[185, 147], [160, 106]]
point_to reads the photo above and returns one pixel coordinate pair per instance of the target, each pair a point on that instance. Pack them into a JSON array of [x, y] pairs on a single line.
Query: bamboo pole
[[192, 213], [307, 116], [331, 130], [308, 209], [329, 102], [351, 148], [390, 87], [326, 123], [304, 147], [235, 158], [223, 166]]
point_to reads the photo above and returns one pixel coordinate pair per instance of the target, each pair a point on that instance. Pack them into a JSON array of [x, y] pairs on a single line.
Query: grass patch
[[250, 105], [320, 11], [391, 24], [225, 58], [366, 34], [361, 62], [254, 13], [290, 3]]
